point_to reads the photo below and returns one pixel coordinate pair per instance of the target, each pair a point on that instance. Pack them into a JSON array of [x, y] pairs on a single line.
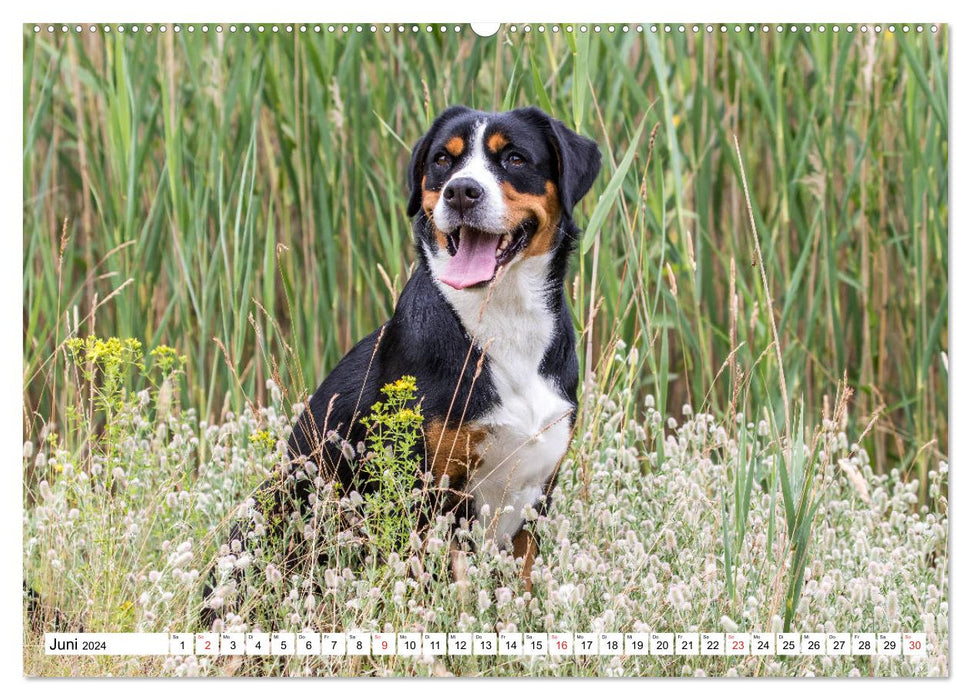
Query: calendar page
[[520, 349]]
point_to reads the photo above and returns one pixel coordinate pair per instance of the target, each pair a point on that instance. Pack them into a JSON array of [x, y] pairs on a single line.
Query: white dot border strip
[[512, 29]]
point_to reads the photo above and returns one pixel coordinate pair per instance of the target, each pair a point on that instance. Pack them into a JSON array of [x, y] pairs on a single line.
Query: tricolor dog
[[482, 324]]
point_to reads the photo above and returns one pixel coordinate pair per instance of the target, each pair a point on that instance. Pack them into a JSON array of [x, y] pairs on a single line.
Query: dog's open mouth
[[477, 255]]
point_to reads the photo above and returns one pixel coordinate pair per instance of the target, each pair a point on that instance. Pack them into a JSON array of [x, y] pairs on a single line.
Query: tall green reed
[[248, 191]]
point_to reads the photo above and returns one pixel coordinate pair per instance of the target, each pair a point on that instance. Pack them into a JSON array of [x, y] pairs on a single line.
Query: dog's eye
[[442, 160], [516, 160]]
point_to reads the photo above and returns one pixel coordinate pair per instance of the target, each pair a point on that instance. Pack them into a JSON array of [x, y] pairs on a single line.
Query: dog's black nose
[[462, 193]]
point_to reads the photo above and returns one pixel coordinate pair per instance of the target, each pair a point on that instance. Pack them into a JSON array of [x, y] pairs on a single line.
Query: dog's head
[[488, 190]]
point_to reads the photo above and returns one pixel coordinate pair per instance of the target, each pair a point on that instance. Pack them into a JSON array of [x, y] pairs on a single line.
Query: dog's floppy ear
[[578, 158], [579, 164], [420, 153]]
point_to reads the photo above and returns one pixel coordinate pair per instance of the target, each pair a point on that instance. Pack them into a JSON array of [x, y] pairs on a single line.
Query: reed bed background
[[240, 196]]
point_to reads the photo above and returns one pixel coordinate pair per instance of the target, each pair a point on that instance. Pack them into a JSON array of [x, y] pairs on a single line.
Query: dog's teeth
[[504, 241]]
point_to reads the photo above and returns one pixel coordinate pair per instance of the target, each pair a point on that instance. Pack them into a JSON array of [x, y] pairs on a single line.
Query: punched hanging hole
[[485, 29]]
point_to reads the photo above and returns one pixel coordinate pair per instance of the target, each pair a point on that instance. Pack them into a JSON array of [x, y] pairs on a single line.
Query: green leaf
[[609, 195]]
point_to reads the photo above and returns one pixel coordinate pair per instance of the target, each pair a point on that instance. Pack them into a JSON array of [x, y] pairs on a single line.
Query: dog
[[482, 324]]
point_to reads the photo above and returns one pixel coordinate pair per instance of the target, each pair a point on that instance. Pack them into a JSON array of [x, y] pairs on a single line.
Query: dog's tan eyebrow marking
[[455, 146], [497, 142]]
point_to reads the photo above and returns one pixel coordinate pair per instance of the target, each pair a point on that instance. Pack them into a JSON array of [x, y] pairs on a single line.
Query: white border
[[818, 11]]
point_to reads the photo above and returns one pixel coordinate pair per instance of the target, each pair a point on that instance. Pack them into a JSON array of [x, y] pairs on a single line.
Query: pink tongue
[[475, 261]]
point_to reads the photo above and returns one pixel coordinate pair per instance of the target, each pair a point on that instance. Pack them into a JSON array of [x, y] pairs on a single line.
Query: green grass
[[702, 524], [241, 197]]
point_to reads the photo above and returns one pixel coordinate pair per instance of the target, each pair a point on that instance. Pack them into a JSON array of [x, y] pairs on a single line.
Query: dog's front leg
[[525, 546]]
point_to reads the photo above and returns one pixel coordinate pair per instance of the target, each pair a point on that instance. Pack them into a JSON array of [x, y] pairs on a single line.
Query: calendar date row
[[491, 644]]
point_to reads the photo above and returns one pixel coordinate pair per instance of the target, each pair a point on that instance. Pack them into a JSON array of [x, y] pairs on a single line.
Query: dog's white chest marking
[[529, 429]]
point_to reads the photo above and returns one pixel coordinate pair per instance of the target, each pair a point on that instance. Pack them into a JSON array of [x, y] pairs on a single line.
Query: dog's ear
[[579, 164], [578, 158], [420, 153]]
